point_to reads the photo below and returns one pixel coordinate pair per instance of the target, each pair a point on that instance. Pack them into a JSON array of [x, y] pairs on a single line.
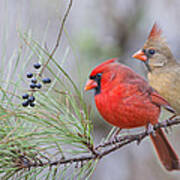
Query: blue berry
[[31, 99], [32, 104], [25, 103], [29, 75], [25, 96], [32, 85], [46, 80], [37, 65], [38, 86], [34, 80]]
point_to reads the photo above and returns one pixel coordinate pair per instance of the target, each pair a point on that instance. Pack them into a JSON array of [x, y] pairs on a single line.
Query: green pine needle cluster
[[57, 128]]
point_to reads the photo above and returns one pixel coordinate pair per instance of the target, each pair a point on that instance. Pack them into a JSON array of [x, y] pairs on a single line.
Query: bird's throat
[[147, 65], [98, 88]]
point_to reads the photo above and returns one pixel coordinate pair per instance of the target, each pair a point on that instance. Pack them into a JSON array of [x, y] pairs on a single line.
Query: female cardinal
[[124, 99], [164, 71]]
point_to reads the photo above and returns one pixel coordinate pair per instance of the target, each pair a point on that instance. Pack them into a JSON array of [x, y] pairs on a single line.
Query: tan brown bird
[[163, 69]]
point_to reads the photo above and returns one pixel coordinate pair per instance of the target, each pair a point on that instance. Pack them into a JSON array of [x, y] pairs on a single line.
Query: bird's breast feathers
[[126, 107]]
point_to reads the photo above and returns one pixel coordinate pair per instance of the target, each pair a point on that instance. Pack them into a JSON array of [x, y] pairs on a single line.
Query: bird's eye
[[98, 75], [151, 51]]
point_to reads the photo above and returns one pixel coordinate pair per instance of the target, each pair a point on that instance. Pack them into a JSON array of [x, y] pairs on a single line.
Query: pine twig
[[104, 149], [58, 38]]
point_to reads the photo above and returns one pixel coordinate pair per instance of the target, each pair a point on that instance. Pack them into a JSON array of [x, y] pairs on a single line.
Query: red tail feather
[[165, 151]]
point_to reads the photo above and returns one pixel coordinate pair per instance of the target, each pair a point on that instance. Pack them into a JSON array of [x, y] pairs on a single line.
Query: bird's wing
[[160, 101], [151, 93]]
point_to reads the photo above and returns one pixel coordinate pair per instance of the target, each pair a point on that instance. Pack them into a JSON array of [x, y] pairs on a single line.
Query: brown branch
[[101, 150], [58, 38]]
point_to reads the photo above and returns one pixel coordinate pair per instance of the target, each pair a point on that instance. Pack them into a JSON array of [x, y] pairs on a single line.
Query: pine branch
[[100, 150]]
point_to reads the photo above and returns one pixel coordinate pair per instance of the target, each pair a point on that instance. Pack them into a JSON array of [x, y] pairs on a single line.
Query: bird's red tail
[[165, 152]]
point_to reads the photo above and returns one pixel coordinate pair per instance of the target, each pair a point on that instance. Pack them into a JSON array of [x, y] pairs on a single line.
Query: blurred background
[[95, 31]]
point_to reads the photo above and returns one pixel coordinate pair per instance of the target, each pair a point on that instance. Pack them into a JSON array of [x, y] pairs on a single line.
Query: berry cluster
[[34, 85]]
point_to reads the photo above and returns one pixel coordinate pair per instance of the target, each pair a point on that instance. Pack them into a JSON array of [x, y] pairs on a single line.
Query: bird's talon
[[165, 123], [156, 126], [138, 140], [113, 141], [150, 130], [116, 138]]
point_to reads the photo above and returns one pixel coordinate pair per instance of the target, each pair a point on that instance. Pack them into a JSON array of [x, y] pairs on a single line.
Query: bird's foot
[[139, 139], [150, 130], [114, 137], [167, 122], [171, 119]]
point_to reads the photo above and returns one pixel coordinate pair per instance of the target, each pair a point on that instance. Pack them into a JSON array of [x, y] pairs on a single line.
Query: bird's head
[[155, 52], [102, 76]]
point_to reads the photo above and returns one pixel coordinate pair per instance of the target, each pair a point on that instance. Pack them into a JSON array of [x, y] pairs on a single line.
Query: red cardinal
[[124, 99]]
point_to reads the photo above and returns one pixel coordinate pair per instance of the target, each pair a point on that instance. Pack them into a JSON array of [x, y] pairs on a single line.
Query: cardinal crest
[[156, 32]]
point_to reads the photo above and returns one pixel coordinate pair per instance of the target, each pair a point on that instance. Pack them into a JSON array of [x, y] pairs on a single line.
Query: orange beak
[[140, 55], [91, 84]]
